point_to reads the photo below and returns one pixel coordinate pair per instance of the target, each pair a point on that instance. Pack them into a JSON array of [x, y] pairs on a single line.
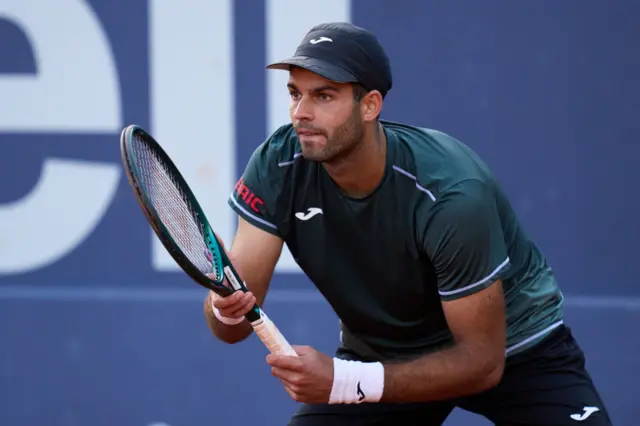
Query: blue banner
[[99, 326]]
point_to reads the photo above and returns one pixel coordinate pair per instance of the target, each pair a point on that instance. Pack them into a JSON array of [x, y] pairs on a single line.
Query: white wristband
[[221, 318], [355, 382]]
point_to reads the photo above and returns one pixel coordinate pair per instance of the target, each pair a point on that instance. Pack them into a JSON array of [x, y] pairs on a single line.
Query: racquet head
[[174, 213], [179, 222]]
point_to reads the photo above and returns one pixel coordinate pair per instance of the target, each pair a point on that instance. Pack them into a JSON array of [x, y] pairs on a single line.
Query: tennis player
[[443, 299]]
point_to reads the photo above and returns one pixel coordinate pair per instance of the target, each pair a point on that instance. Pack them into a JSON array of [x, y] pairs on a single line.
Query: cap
[[344, 53]]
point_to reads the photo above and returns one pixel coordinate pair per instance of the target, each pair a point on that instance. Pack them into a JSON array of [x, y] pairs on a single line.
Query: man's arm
[[254, 253], [473, 364], [465, 242]]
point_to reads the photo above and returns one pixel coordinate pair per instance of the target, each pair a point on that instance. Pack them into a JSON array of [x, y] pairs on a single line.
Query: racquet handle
[[271, 336]]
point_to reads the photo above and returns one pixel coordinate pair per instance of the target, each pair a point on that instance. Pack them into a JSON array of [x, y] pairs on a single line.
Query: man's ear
[[371, 105]]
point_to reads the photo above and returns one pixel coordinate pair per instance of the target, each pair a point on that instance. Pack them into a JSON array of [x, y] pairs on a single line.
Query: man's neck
[[360, 172]]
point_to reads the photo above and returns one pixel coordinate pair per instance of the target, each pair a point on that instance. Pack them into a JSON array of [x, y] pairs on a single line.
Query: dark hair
[[359, 92]]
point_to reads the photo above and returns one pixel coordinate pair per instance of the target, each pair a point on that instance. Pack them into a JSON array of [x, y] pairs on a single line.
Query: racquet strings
[[175, 208]]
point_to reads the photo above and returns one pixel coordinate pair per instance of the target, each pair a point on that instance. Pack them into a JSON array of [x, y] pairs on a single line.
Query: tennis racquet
[[179, 222]]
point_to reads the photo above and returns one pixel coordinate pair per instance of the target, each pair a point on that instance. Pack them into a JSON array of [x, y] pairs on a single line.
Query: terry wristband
[[355, 382], [221, 318]]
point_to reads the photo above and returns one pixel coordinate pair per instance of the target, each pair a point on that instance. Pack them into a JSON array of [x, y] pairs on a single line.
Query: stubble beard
[[346, 140]]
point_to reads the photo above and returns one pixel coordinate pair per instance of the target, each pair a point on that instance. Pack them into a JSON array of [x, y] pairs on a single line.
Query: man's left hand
[[307, 377]]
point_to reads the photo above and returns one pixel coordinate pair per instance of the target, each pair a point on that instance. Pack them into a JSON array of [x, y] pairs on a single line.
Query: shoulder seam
[[415, 179]]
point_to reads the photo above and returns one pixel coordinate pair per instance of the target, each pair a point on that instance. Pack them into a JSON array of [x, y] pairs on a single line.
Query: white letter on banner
[[75, 90], [192, 108]]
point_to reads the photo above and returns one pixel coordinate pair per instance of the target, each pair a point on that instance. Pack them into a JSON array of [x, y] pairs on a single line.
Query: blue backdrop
[[98, 327]]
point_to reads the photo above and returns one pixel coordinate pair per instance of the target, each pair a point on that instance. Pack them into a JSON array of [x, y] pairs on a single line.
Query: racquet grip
[[271, 336]]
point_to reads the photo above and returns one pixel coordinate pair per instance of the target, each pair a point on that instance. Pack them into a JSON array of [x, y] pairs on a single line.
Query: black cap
[[343, 53]]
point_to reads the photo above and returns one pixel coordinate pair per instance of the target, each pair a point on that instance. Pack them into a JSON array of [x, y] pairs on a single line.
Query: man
[[444, 302]]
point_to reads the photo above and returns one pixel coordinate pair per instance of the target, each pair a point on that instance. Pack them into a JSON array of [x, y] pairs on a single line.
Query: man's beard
[[344, 141]]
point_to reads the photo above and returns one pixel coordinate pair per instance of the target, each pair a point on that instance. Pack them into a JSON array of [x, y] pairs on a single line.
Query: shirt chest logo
[[311, 212]]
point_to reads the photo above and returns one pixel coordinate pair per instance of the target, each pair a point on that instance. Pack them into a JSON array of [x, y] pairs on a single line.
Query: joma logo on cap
[[320, 40]]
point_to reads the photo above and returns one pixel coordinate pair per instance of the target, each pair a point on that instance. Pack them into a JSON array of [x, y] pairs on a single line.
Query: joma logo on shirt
[[249, 198]]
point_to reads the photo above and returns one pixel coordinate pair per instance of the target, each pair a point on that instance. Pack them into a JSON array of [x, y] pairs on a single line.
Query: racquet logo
[[360, 393], [248, 197]]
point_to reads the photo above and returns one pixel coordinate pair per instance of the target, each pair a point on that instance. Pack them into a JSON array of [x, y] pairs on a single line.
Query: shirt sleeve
[[465, 241], [255, 195]]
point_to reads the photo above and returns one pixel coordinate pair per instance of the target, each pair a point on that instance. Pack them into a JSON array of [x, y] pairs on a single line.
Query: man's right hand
[[254, 254], [236, 305]]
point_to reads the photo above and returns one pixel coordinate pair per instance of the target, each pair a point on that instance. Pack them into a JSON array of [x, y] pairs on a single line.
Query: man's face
[[326, 117]]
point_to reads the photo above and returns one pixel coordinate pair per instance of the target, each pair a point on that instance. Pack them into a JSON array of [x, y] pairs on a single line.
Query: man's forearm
[[224, 332], [449, 373]]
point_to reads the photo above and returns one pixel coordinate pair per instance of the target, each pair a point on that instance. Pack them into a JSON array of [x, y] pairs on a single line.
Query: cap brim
[[323, 68]]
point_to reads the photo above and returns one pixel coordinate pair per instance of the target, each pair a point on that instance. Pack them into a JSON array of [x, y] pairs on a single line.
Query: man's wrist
[[355, 382]]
